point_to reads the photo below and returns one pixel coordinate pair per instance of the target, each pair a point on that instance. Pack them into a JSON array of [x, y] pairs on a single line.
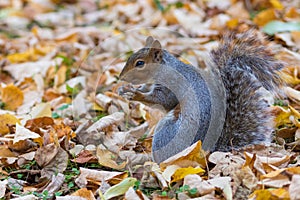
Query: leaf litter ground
[[66, 134]]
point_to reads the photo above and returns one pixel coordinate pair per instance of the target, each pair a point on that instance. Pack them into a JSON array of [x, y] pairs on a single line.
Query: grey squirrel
[[245, 74]]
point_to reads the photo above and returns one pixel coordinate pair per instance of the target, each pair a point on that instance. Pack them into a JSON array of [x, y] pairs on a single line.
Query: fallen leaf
[[169, 171], [224, 184], [3, 188], [191, 156], [40, 110], [278, 181], [22, 57], [135, 194], [273, 27], [280, 193], [28, 69], [84, 193], [120, 188], [12, 97], [55, 184], [195, 181], [294, 188], [260, 195], [293, 170], [39, 123], [96, 175], [5, 120], [56, 165], [23, 133], [85, 156], [277, 4], [264, 17], [106, 123], [108, 159], [55, 161], [182, 172]]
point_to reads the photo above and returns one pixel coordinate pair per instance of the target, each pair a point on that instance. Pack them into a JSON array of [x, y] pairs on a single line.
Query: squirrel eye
[[139, 63]]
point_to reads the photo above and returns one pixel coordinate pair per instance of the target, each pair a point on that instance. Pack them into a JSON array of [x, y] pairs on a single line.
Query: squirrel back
[[248, 73]]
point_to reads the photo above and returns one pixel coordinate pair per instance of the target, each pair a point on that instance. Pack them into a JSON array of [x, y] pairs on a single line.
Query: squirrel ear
[[156, 45], [156, 52], [149, 41]]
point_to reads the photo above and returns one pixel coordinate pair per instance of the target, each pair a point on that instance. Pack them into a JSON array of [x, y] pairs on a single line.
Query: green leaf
[[277, 26], [65, 106], [193, 191], [19, 176], [164, 193], [67, 61], [158, 5], [55, 115], [120, 188]]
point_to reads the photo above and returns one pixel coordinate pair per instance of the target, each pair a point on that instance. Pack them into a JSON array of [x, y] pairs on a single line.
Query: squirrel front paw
[[127, 91], [134, 92]]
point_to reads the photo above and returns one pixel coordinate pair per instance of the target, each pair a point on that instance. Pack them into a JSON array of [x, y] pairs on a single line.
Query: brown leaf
[[39, 123], [85, 156], [49, 150], [108, 159], [57, 165], [84, 193]]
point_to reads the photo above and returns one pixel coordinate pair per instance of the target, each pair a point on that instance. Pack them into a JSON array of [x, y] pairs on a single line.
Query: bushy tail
[[247, 51], [250, 76]]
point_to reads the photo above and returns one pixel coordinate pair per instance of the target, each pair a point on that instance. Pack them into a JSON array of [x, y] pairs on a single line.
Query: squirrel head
[[142, 65]]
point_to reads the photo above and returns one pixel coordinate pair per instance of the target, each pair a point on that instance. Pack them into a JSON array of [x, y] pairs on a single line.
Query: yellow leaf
[[191, 156], [182, 172], [293, 170], [12, 97], [5, 120], [273, 174], [19, 57], [282, 116], [294, 112], [97, 107], [60, 76], [261, 195], [288, 75], [41, 110], [116, 32], [264, 17], [232, 23], [70, 37], [280, 193], [292, 13], [276, 4]]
